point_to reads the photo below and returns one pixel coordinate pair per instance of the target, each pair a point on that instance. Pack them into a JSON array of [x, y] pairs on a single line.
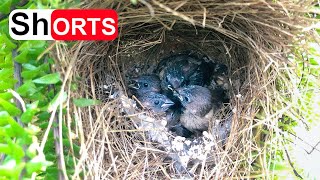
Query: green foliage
[[48, 79], [304, 111], [135, 2], [20, 128], [82, 102]]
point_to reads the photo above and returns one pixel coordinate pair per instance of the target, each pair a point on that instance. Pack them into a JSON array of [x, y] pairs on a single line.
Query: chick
[[156, 102], [180, 130], [198, 107], [183, 69], [145, 84], [220, 76], [173, 122]]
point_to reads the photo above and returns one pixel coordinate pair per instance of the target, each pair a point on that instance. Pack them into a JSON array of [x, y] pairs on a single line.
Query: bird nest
[[253, 38]]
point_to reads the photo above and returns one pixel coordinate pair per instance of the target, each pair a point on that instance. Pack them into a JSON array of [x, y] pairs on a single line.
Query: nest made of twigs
[[253, 38]]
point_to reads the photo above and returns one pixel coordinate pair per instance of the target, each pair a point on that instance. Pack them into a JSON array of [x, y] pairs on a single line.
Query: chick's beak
[[167, 104], [176, 94], [180, 97], [134, 86]]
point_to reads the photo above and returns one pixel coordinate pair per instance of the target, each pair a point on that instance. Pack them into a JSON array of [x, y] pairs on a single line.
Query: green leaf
[[5, 6], [27, 116], [22, 57], [82, 102], [11, 109], [6, 72], [5, 149], [7, 61], [6, 96], [33, 71], [28, 66], [7, 131], [48, 79], [11, 169], [43, 116], [135, 2], [5, 119], [8, 46], [4, 26], [33, 47], [16, 151], [4, 84], [34, 167], [32, 109], [27, 89], [26, 75]]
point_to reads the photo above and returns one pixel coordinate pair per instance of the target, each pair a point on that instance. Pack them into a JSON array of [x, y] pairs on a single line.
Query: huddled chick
[[145, 84], [197, 107], [188, 90], [148, 91], [156, 102], [180, 70]]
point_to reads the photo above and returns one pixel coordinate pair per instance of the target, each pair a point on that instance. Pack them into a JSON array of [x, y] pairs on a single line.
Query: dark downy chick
[[156, 102], [183, 69], [145, 84], [198, 107], [173, 122]]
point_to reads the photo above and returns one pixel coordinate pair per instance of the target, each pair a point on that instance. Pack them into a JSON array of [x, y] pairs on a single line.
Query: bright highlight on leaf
[[48, 79], [82, 102]]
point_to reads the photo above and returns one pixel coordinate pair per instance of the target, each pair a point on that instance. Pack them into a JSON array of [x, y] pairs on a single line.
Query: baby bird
[[173, 122], [183, 69], [198, 107], [145, 84], [220, 76], [156, 102]]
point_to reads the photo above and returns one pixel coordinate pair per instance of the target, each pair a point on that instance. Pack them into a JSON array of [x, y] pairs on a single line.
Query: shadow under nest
[[118, 134]]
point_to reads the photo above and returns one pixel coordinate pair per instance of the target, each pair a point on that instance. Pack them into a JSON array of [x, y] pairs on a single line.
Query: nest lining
[[249, 38]]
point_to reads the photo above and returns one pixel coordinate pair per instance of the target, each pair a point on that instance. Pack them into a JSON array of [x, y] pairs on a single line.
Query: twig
[[18, 101], [314, 148], [290, 162], [17, 76], [173, 12], [151, 10], [54, 109], [57, 142]]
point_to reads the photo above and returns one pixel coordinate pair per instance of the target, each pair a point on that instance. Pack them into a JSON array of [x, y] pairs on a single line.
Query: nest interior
[[252, 38]]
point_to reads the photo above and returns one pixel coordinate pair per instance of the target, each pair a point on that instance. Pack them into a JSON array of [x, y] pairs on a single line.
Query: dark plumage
[[184, 69], [180, 130], [145, 84], [188, 87], [198, 107], [220, 76], [220, 69], [173, 122], [156, 102]]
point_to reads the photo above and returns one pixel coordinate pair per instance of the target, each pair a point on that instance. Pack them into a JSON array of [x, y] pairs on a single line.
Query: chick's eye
[[156, 102], [145, 84], [186, 99]]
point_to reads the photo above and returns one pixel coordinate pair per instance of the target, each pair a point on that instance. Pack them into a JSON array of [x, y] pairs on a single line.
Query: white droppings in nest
[[182, 150], [154, 127]]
